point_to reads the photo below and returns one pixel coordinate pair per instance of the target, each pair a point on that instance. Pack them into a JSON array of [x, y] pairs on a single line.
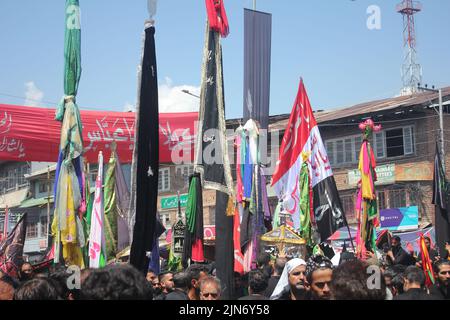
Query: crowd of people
[[395, 276]]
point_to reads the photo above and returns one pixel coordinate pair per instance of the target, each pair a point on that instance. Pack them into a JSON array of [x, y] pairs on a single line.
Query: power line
[[55, 103]]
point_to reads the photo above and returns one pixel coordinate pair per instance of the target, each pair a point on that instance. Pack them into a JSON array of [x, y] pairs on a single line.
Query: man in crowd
[[350, 282], [413, 284], [7, 287], [434, 255], [37, 289], [441, 289], [26, 272], [210, 288], [116, 282], [196, 273], [257, 284], [397, 255], [181, 282], [166, 283], [319, 270], [280, 262], [239, 289], [153, 279], [292, 283], [263, 263]]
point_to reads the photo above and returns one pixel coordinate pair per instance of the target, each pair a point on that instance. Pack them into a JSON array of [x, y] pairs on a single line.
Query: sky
[[327, 42]]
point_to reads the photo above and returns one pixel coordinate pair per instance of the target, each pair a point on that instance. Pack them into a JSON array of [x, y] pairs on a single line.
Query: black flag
[[11, 249], [441, 203], [212, 151], [144, 190], [257, 51]]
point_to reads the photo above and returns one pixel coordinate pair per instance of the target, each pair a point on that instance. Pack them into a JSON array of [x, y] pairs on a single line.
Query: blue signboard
[[399, 219]]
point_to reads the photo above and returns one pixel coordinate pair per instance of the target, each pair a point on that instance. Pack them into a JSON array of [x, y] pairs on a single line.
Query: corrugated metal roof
[[418, 100], [35, 202]]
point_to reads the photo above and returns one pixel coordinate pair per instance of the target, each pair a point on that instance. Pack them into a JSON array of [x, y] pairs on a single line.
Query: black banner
[[145, 158], [212, 153], [327, 208], [257, 54]]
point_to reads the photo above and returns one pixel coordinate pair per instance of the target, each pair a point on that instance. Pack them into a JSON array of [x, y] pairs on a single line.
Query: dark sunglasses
[[207, 294]]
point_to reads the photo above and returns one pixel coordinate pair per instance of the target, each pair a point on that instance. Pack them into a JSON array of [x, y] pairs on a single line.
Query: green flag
[[305, 205], [110, 201]]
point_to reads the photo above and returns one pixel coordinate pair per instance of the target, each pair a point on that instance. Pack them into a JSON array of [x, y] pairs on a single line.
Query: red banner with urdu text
[[32, 134]]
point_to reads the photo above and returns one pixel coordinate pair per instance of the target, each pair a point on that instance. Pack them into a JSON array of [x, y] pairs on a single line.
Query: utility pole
[[254, 4], [441, 118], [48, 206]]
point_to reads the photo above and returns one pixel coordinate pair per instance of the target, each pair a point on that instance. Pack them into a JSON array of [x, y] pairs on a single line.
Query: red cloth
[[32, 134], [197, 251], [217, 17], [238, 256]]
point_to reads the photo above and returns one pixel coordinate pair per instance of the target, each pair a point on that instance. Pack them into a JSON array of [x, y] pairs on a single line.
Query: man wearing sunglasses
[[319, 270], [210, 288]]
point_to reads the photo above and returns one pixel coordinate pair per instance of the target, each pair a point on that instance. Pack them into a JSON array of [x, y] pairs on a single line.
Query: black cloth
[[401, 257], [147, 162], [441, 201], [161, 296], [246, 227], [414, 294], [273, 281], [328, 209], [439, 292], [287, 296], [257, 51], [224, 246], [211, 138], [432, 253], [11, 248], [177, 295], [254, 297]]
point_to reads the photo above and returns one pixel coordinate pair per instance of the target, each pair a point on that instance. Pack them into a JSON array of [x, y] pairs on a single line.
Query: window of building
[[3, 181], [183, 172], [43, 226], [12, 174], [348, 204], [43, 187], [386, 144], [32, 231], [394, 142], [22, 171], [164, 180], [397, 198], [381, 199], [344, 150]]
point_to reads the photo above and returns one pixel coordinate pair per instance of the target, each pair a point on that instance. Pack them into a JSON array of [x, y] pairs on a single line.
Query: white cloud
[[173, 99], [129, 107], [33, 96]]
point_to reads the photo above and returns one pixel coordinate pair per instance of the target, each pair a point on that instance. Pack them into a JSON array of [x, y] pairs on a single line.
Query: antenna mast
[[411, 71]]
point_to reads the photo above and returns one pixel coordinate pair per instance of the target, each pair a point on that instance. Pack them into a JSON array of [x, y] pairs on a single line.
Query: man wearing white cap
[[292, 283]]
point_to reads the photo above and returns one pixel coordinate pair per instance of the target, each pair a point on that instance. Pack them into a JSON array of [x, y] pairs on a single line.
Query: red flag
[[302, 135], [238, 256], [217, 16], [427, 265]]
